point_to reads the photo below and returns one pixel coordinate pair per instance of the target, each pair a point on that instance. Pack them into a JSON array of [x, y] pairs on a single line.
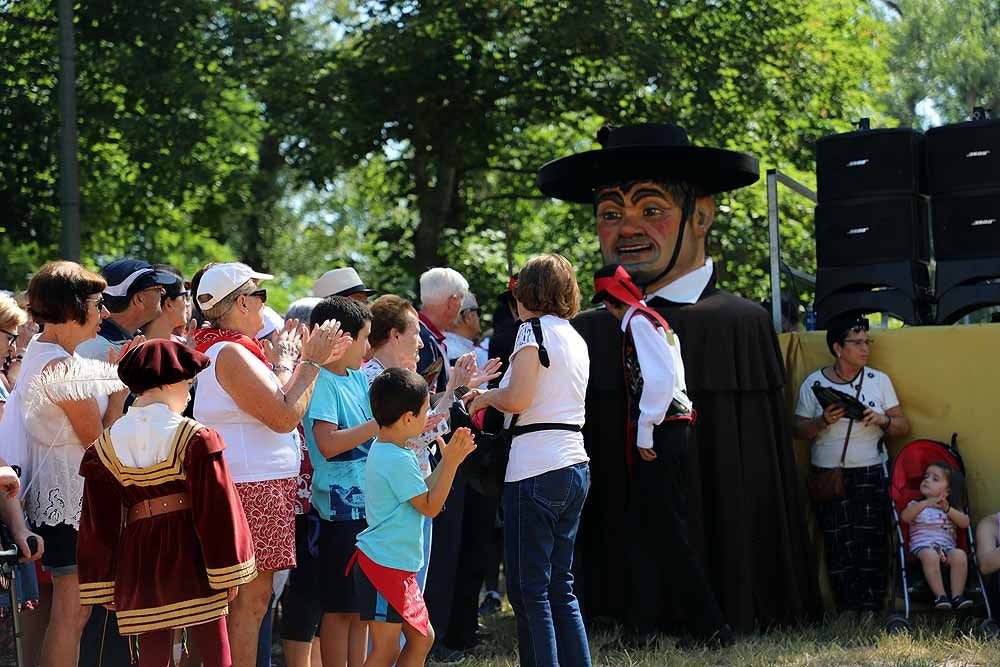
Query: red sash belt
[[398, 587]]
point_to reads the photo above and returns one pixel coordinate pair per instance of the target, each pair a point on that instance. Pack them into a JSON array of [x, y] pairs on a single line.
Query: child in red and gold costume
[[163, 539]]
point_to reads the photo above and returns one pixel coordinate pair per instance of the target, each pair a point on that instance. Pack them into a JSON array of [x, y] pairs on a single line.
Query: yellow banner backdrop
[[947, 381]]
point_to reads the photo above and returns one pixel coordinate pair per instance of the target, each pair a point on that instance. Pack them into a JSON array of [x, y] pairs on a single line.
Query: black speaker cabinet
[[964, 299], [890, 301], [963, 156], [951, 273], [871, 230], [869, 162], [910, 278], [967, 225]]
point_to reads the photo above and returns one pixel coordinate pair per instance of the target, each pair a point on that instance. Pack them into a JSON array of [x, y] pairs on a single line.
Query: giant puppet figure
[[652, 193]]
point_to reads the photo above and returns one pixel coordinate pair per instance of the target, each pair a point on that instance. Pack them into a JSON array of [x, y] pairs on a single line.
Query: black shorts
[[59, 557], [301, 608], [337, 544], [371, 605]]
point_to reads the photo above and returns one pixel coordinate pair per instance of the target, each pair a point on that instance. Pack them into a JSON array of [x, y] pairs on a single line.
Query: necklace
[[841, 377]]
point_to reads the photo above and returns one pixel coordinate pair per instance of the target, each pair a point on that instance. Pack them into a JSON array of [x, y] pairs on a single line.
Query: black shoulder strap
[[536, 329]]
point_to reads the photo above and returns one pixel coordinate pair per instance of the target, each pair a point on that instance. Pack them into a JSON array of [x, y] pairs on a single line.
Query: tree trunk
[[437, 193], [259, 233]]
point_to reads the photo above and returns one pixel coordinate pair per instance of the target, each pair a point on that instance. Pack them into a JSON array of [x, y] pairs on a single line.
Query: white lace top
[[54, 492]]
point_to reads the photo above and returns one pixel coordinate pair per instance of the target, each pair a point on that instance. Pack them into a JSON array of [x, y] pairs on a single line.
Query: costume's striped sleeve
[[100, 527], [226, 543]]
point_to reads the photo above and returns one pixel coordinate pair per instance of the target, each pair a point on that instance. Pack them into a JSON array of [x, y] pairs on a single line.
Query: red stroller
[[904, 485]]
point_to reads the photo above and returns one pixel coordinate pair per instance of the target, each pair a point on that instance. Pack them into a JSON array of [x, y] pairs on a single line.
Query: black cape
[[746, 508]]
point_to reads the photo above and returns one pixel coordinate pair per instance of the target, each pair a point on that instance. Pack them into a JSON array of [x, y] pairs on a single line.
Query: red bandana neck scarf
[[621, 287], [206, 338]]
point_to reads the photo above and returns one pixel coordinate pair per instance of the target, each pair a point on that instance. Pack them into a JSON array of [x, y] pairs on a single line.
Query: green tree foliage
[[169, 129], [944, 51], [399, 135], [463, 101]]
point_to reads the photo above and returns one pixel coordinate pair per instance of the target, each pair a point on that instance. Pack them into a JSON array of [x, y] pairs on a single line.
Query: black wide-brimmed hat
[[646, 151]]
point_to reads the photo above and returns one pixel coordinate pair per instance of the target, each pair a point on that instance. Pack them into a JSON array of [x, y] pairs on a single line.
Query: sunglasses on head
[[861, 324]]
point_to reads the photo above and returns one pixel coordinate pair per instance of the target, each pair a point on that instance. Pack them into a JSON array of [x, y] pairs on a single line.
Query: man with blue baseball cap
[[133, 297]]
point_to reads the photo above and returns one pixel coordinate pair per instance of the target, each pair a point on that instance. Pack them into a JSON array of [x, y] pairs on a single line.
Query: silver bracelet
[[311, 363]]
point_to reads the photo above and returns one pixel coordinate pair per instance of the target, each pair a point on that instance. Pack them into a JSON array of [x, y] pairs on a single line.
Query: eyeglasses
[[260, 294], [99, 301], [10, 335], [476, 310], [859, 341]]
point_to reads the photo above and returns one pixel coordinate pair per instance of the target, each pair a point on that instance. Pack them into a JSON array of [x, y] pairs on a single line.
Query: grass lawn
[[937, 640]]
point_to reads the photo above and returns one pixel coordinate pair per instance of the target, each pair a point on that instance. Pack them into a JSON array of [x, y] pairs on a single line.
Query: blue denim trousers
[[541, 518]]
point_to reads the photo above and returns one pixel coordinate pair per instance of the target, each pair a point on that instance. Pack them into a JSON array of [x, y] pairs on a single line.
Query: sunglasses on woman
[[260, 294]]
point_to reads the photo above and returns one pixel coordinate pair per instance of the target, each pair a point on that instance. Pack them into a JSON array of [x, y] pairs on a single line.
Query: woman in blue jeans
[[547, 475]]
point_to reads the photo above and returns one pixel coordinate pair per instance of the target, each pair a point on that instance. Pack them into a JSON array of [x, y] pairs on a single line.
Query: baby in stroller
[[933, 522]]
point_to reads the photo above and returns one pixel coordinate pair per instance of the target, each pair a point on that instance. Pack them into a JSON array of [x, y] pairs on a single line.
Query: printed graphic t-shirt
[[338, 486]]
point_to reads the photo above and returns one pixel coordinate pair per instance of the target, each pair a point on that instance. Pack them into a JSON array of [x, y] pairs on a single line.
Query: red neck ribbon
[[621, 287]]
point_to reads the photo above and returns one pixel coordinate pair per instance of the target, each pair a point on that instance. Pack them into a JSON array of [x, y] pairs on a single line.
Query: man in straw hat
[[652, 193]]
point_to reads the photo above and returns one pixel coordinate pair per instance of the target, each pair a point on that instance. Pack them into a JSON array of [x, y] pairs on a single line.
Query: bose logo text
[[857, 230], [858, 163], [977, 153], [983, 222]]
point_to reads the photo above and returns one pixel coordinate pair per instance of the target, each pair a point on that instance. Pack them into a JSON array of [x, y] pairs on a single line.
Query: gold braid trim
[[236, 575], [98, 592], [168, 471], [176, 615]]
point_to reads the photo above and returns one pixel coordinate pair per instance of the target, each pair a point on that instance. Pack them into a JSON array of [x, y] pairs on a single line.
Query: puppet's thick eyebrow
[[610, 195], [648, 192]]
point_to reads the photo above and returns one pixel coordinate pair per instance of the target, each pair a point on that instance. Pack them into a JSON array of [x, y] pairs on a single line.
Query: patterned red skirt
[[270, 510]]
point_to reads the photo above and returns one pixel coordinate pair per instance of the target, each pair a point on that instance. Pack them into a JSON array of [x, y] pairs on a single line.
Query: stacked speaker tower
[[963, 175], [872, 225]]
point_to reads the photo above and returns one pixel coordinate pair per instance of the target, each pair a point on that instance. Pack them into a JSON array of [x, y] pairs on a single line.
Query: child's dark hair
[[351, 314], [613, 300], [394, 392], [956, 482]]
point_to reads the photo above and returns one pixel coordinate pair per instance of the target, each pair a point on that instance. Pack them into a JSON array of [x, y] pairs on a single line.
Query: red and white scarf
[[206, 338]]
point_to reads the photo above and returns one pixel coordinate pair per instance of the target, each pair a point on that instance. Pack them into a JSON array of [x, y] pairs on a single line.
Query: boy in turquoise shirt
[[390, 551], [339, 430]]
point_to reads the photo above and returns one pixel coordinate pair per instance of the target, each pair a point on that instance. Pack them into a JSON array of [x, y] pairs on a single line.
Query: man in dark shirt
[[442, 291], [133, 297]]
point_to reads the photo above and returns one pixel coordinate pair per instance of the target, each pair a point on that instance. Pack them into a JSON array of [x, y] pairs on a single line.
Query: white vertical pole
[[774, 247]]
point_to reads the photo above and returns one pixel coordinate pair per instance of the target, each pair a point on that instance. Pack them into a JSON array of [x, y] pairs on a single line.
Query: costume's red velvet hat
[[159, 362]]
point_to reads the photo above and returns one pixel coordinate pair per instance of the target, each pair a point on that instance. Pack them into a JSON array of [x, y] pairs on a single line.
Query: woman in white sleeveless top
[[256, 411], [548, 472], [66, 299]]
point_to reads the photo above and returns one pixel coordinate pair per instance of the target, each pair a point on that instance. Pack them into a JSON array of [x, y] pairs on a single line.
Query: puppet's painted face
[[637, 225]]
